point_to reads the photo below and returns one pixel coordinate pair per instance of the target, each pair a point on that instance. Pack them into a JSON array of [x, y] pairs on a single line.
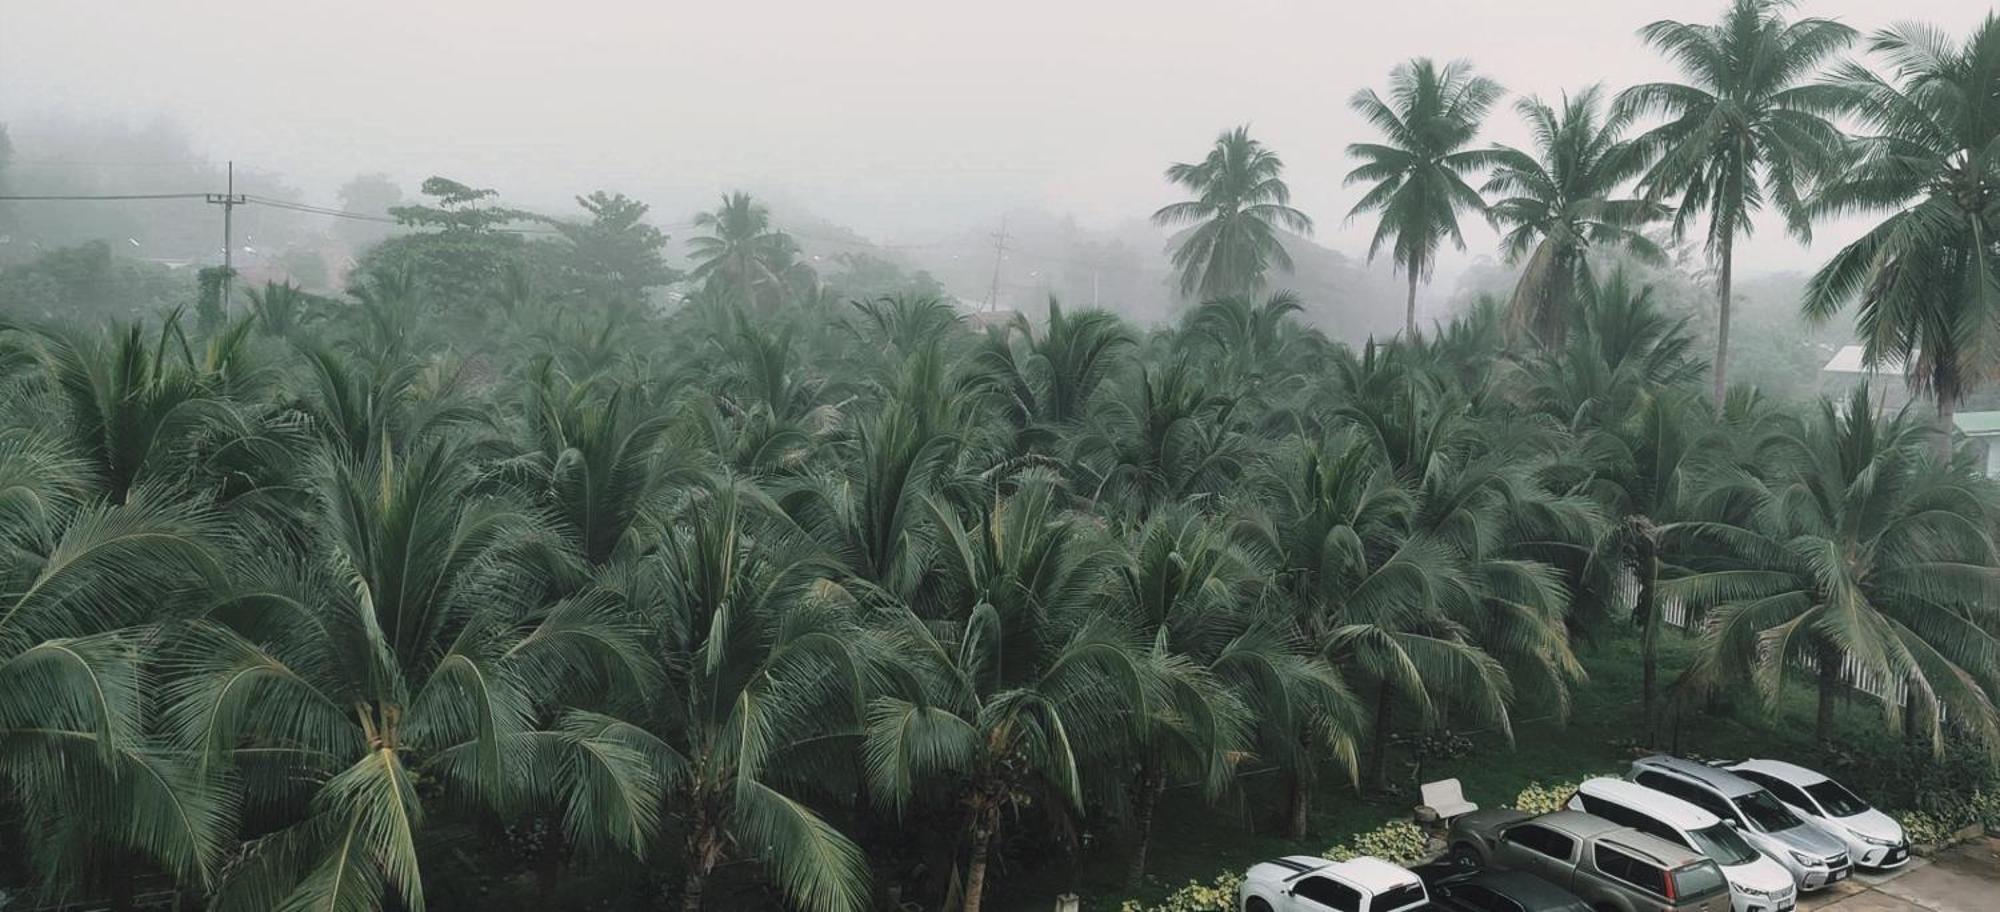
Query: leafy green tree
[[615, 256], [1417, 173], [1240, 212], [1749, 125], [1859, 552], [1559, 204], [1928, 275]]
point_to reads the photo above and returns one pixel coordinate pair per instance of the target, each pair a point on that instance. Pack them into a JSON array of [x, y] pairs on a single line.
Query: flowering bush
[[1219, 896], [1934, 828], [1398, 841]]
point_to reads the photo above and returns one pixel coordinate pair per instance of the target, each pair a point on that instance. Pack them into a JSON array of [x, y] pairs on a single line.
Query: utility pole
[[999, 253], [228, 200]]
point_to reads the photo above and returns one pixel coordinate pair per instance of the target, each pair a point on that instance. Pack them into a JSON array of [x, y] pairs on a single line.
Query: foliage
[[1240, 212]]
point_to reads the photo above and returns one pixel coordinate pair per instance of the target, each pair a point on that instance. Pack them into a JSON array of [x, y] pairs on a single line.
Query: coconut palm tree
[[1928, 275], [1417, 173], [1559, 203], [415, 641], [1749, 126], [740, 249], [1010, 687], [763, 678], [1240, 213], [90, 586], [1859, 552], [1170, 442]]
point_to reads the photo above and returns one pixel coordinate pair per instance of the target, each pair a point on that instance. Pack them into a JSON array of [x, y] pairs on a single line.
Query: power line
[[102, 196]]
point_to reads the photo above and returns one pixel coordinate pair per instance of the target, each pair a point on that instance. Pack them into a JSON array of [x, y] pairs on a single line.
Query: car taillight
[[1670, 885]]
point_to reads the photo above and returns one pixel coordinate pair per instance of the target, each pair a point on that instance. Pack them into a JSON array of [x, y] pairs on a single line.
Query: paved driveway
[[1965, 878]]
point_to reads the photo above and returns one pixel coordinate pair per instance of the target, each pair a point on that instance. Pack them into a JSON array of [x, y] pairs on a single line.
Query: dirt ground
[[1964, 878]]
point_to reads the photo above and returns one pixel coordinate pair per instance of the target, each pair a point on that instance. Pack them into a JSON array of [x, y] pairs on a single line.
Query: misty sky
[[900, 119]]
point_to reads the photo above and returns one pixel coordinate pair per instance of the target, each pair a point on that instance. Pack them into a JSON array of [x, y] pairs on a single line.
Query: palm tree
[[90, 586], [1928, 275], [1240, 211], [740, 249], [1010, 689], [1174, 442], [1750, 124], [1559, 203], [1856, 552], [1417, 174], [414, 642], [762, 675]]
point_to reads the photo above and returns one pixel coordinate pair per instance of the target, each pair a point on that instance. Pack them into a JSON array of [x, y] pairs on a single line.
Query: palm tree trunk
[[704, 848], [984, 822], [1378, 747], [1829, 690], [1299, 804], [1151, 784], [1947, 410], [1725, 253], [1410, 310], [1648, 609]]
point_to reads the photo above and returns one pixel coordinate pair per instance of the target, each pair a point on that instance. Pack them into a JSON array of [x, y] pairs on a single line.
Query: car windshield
[[1838, 801], [1723, 845], [1766, 812]]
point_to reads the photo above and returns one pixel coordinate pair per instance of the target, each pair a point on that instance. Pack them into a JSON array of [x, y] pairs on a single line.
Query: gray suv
[[1614, 868], [1816, 858]]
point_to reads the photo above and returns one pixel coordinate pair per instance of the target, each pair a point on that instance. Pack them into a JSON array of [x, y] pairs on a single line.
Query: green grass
[[1197, 841]]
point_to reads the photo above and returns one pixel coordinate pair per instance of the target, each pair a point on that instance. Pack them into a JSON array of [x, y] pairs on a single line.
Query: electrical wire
[[102, 196]]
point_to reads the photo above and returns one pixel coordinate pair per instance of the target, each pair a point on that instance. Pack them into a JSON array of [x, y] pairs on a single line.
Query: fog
[[916, 124]]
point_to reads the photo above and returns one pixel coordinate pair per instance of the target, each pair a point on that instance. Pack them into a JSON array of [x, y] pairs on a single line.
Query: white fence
[[1676, 614]]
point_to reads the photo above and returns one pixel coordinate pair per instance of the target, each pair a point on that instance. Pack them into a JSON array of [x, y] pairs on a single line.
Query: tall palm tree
[[414, 641], [1857, 551], [740, 249], [1418, 171], [1927, 275], [1559, 203], [1240, 212], [1010, 689], [1749, 125]]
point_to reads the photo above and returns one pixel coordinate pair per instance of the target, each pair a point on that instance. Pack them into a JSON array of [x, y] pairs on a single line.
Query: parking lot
[[1965, 878]]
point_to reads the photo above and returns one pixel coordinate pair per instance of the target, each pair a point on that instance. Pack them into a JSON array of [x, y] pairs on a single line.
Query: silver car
[[1815, 858]]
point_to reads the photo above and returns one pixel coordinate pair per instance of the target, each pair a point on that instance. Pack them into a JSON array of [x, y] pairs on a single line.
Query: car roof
[[1782, 771], [1575, 823], [1530, 891], [1722, 780], [1661, 806], [1371, 874], [1667, 854]]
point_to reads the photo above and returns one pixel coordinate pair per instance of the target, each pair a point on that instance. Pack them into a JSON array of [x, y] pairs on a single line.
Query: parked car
[[1756, 883], [1500, 891], [1306, 883], [1613, 868], [1816, 859], [1874, 839]]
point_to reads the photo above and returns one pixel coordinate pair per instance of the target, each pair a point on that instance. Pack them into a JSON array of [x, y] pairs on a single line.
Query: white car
[[1305, 883], [1874, 839], [1756, 883]]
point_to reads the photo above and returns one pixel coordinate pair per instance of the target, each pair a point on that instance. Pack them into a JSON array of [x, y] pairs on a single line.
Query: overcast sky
[[901, 119]]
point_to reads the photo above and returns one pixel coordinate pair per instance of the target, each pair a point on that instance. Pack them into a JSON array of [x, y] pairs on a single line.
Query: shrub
[[1399, 841], [1541, 799], [1218, 896]]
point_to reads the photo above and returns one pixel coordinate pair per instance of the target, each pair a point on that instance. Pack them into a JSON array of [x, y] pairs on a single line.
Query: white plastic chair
[[1447, 798]]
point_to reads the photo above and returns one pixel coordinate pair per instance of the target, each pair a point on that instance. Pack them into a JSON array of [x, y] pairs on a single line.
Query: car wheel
[[1256, 904]]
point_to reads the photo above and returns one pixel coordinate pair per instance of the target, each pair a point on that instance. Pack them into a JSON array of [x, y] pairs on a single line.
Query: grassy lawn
[[1196, 841]]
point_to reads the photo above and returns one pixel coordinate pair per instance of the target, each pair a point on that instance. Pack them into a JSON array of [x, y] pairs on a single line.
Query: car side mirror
[[1733, 824]]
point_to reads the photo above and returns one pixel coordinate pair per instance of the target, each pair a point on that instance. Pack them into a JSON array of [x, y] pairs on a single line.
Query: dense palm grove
[[490, 558]]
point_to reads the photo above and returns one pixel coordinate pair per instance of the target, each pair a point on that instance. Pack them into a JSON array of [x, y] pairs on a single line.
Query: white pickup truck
[[1304, 883]]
